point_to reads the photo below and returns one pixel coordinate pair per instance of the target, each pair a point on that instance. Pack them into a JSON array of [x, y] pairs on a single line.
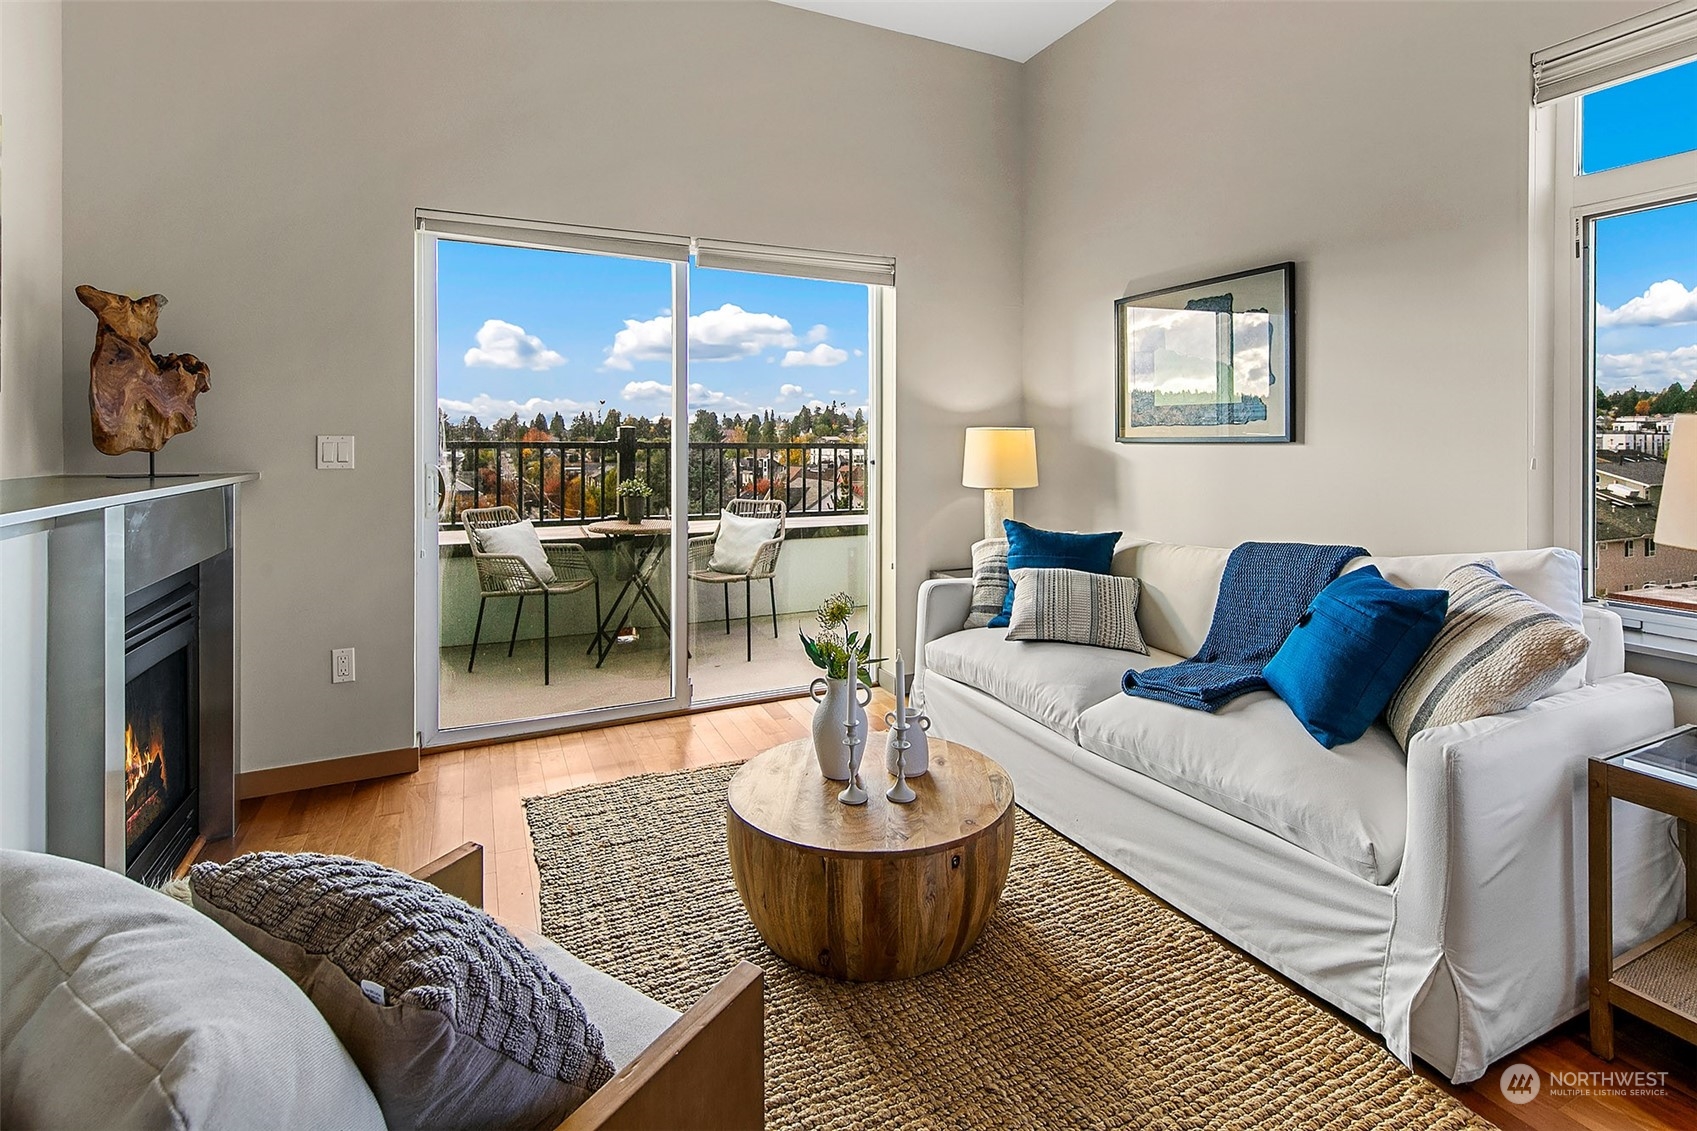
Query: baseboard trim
[[330, 771]]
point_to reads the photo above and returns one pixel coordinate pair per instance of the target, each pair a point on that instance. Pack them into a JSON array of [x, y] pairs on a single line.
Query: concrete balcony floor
[[504, 688]]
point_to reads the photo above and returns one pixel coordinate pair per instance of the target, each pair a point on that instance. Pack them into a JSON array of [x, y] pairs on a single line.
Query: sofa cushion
[[1549, 575], [629, 1019], [989, 582], [1341, 663], [1498, 651], [1032, 548], [1047, 682], [451, 1020], [1253, 760], [1179, 587], [1074, 607], [121, 1007]]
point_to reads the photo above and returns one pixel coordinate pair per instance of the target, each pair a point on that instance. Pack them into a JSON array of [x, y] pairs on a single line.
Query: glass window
[[1644, 364], [1641, 120]]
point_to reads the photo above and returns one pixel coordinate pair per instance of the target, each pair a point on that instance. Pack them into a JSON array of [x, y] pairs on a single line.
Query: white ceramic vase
[[828, 744], [918, 758]]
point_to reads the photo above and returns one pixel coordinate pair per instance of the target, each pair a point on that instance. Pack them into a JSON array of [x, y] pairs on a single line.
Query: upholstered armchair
[[510, 575], [764, 567]]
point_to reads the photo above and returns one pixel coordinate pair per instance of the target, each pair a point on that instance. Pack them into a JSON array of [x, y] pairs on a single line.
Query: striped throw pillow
[[1499, 650], [1075, 607], [989, 581]]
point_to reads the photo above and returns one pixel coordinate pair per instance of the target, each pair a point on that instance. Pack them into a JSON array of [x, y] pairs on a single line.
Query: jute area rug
[[1085, 1004]]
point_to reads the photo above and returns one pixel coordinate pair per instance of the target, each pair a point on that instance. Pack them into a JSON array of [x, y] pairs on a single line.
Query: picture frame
[[1208, 362]]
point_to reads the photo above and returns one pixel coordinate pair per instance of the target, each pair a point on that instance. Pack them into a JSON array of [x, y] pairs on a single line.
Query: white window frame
[[1565, 206]]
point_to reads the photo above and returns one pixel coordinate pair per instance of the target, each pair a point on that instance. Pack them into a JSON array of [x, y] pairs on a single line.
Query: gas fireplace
[[161, 727]]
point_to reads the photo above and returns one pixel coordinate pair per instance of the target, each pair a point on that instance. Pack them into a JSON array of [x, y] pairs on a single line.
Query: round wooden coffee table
[[878, 891]]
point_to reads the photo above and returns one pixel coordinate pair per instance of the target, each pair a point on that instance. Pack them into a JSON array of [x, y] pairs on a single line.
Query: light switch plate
[[336, 453]]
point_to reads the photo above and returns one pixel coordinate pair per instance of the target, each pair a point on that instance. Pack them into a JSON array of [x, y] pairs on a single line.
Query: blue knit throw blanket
[[1264, 591]]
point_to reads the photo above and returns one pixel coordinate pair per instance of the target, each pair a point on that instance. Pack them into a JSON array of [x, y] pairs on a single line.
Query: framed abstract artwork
[[1209, 362]]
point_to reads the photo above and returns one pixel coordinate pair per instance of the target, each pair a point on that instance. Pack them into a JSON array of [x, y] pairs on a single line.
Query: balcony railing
[[571, 482]]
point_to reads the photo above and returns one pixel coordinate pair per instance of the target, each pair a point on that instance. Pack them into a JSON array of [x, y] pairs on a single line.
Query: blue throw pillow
[[1346, 657], [1031, 548]]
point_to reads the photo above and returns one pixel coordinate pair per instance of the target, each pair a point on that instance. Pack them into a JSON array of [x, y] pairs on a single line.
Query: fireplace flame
[[144, 763]]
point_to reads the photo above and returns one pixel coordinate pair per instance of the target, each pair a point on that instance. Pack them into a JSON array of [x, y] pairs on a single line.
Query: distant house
[[1627, 559]]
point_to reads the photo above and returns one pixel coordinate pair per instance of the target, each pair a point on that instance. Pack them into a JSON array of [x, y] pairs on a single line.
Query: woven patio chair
[[764, 568], [508, 575]]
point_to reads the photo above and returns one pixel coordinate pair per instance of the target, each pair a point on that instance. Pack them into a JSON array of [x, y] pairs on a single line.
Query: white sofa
[[1437, 896]]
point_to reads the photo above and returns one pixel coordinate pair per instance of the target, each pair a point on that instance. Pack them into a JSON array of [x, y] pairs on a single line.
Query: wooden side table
[[1656, 980]]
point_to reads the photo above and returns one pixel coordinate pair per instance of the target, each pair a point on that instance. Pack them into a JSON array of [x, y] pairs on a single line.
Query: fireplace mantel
[[108, 539]]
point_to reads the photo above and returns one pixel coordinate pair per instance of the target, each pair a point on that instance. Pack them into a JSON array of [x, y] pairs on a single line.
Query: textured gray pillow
[[1499, 650], [1076, 607], [989, 581], [453, 1022], [121, 1007]]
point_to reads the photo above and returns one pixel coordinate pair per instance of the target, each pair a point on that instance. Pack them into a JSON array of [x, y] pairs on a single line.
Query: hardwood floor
[[476, 794]]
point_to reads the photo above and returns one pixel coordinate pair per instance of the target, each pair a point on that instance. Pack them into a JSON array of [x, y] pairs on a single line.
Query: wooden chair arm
[[459, 873], [706, 1072]]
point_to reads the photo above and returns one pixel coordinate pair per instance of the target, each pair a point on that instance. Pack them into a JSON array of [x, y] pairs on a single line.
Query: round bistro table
[[874, 892]]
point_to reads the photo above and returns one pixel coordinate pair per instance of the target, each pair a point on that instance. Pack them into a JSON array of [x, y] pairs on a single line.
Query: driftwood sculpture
[[136, 399]]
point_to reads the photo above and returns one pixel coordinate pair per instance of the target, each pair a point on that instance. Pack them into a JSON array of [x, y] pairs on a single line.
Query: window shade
[[876, 270], [1648, 42], [607, 241]]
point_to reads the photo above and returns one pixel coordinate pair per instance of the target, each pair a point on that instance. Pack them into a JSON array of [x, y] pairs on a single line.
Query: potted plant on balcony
[[829, 652], [633, 499]]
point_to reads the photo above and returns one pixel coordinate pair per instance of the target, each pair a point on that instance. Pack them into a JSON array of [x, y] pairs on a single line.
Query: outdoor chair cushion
[[519, 538], [738, 541]]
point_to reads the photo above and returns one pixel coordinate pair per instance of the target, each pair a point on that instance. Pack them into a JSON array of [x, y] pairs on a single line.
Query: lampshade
[[1000, 458], [1676, 515]]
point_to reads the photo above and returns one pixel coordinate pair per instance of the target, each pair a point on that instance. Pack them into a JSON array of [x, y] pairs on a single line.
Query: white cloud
[[787, 391], [860, 353], [725, 334], [819, 355], [700, 396], [818, 334], [488, 409], [646, 391], [502, 345], [1667, 303], [1647, 369]]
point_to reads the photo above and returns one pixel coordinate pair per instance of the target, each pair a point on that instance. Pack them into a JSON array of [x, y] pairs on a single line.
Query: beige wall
[[30, 363], [31, 236], [1384, 148], [266, 180]]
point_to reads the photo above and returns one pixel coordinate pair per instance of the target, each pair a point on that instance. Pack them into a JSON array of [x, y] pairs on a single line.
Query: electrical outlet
[[341, 665]]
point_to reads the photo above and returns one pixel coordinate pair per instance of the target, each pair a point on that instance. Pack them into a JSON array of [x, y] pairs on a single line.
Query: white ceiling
[[1013, 29]]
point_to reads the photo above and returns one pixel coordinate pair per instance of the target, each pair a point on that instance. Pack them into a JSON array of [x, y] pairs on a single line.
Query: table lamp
[[999, 460], [1676, 514]]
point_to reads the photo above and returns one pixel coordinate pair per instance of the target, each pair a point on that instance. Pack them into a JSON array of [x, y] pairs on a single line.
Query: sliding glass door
[[584, 557], [780, 430], [547, 591]]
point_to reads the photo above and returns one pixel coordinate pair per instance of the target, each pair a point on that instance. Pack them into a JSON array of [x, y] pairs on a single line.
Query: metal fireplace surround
[[103, 563]]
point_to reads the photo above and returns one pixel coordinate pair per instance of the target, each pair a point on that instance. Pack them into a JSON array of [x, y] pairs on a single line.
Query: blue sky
[[528, 331], [1646, 262]]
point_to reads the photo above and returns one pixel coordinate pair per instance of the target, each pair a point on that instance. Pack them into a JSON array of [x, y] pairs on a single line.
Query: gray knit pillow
[[1076, 607], [451, 1020], [1498, 651], [989, 581]]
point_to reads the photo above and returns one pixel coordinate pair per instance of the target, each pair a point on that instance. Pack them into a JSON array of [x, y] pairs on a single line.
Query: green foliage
[[829, 651], [635, 488]]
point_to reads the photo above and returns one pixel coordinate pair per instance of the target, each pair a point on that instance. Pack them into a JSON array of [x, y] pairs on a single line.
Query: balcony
[[564, 486]]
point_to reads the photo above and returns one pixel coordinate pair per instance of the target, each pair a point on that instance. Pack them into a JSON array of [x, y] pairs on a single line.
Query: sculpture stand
[[152, 474]]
